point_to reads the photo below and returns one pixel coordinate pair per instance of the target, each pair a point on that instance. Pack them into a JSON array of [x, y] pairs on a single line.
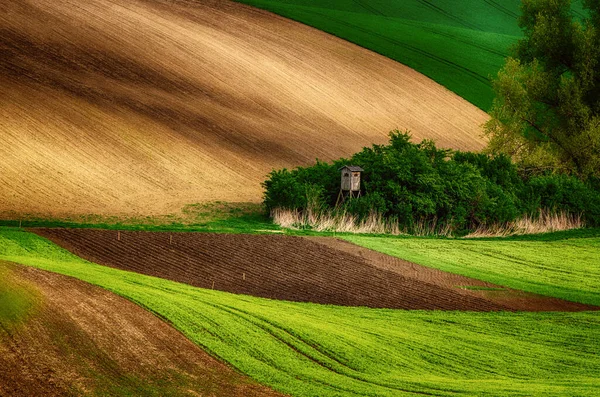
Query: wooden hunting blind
[[350, 184]]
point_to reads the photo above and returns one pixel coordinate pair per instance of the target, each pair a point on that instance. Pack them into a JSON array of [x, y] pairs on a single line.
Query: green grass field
[[459, 44], [212, 217], [567, 268], [315, 350]]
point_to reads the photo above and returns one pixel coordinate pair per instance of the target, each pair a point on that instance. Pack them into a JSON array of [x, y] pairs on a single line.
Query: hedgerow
[[417, 183]]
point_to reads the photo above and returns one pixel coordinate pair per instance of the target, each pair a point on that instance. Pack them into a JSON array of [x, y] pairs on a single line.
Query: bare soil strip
[[294, 268], [88, 341], [510, 298], [126, 107]]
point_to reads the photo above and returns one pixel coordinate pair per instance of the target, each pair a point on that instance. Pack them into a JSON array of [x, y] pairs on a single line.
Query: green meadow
[[211, 217], [459, 44], [316, 350]]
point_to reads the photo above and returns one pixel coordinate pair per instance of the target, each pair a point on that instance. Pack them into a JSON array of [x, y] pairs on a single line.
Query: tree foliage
[[546, 114], [419, 183]]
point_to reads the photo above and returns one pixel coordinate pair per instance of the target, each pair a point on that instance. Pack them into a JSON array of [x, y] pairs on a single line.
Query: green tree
[[547, 108]]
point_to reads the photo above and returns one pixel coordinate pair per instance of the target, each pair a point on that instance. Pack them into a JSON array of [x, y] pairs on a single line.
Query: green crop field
[[459, 44], [566, 268], [314, 350]]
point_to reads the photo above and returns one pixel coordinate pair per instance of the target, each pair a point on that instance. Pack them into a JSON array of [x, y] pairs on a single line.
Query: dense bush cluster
[[414, 183]]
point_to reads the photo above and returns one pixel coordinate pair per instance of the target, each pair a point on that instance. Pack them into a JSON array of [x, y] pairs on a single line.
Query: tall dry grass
[[343, 222], [375, 223], [334, 222], [545, 222]]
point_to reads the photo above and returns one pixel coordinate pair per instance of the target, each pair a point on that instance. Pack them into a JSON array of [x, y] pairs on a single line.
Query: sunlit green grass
[[212, 217], [460, 44], [566, 268], [315, 350]]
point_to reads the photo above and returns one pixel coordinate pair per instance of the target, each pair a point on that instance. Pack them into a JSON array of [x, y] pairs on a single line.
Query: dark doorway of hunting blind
[[350, 185]]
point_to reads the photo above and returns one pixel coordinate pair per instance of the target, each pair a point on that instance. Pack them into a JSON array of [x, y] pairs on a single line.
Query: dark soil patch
[[511, 299], [291, 268]]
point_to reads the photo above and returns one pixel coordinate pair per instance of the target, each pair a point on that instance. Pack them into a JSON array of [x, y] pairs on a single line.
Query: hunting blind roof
[[352, 168]]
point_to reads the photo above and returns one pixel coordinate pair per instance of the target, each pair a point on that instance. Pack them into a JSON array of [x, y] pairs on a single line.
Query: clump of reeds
[[545, 222], [340, 221], [343, 222]]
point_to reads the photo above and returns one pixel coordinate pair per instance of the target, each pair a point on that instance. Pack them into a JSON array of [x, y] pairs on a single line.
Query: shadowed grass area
[[18, 299], [567, 268], [315, 350]]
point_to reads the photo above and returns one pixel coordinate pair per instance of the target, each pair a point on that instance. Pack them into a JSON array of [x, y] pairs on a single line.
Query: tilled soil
[[128, 107], [512, 299], [84, 340], [319, 270]]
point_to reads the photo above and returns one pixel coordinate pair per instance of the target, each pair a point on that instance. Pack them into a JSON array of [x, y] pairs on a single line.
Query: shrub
[[563, 193], [420, 186]]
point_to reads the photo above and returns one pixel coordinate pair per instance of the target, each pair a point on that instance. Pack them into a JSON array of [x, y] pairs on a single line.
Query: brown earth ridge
[[84, 340], [139, 107], [319, 270]]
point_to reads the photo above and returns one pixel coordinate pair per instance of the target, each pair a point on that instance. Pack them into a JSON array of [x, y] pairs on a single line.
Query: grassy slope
[[217, 217], [567, 268], [460, 44], [313, 350], [17, 299]]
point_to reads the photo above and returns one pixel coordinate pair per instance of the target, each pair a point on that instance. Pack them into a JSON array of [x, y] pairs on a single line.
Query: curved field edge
[[209, 217], [565, 268], [55, 340], [315, 350], [461, 46]]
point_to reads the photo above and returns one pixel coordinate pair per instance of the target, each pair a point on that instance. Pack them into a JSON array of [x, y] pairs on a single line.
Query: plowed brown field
[[294, 268], [141, 106], [87, 341]]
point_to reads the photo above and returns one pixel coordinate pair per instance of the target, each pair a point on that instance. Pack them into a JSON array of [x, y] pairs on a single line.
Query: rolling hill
[[460, 44], [142, 106], [62, 337], [311, 350]]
